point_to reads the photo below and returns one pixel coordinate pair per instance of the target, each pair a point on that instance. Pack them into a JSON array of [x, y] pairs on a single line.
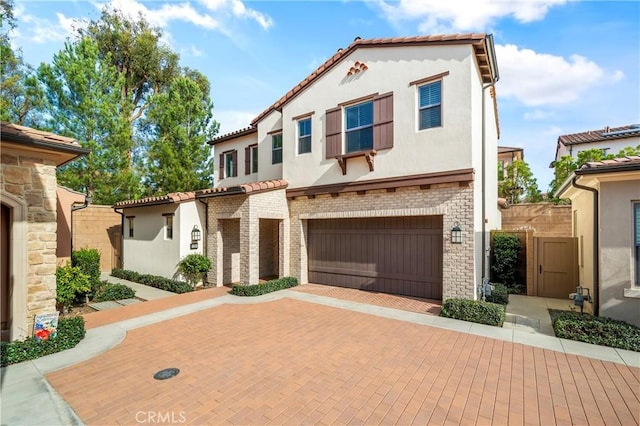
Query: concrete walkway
[[142, 291], [531, 314], [24, 386]]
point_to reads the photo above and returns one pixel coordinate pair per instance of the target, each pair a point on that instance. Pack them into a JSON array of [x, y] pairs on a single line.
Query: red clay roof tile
[[607, 133], [245, 188]]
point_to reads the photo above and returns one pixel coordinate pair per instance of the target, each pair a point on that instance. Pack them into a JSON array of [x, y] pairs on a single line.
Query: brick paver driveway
[[294, 362]]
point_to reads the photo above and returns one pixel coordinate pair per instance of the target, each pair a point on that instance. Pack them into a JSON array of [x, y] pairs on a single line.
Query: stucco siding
[[616, 250]]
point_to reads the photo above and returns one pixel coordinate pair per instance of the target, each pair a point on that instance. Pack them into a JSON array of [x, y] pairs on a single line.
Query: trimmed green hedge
[[499, 294], [110, 291], [70, 332], [89, 261], [264, 288], [596, 330], [474, 311], [152, 280]]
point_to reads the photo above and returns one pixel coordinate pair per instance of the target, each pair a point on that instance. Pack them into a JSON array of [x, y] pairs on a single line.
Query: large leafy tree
[[567, 164], [20, 95], [83, 93], [519, 186], [179, 124]]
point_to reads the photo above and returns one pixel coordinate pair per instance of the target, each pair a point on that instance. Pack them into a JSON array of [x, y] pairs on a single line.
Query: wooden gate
[[556, 263]]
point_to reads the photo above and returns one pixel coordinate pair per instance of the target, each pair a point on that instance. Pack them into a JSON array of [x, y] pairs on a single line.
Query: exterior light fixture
[[195, 233], [456, 234]]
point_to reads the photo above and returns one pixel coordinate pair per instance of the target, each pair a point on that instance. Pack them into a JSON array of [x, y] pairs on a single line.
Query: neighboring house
[[506, 156], [28, 234], [611, 140], [159, 231], [67, 201], [360, 175], [605, 200]]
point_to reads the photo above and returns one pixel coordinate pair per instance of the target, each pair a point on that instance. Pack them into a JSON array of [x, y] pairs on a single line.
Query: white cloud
[[552, 131], [542, 79], [238, 9], [537, 115], [437, 16], [161, 17], [232, 120], [40, 30]]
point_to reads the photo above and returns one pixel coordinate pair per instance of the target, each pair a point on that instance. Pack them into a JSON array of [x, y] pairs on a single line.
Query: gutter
[[57, 146], [87, 201], [596, 244]]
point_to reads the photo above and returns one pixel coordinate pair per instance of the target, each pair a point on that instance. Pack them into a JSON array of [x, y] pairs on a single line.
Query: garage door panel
[[391, 255]]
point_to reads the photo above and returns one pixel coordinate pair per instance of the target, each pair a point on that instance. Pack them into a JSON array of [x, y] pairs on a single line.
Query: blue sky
[[565, 66]]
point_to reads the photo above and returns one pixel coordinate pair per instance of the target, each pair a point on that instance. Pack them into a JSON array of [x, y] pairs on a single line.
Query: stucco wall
[[99, 227], [612, 146], [453, 203], [66, 199], [28, 184], [616, 256], [544, 219]]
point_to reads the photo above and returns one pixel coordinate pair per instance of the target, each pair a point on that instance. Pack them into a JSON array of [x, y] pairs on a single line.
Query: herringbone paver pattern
[[293, 362], [405, 303]]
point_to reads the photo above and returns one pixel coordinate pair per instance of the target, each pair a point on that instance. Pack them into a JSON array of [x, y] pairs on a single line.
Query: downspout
[[494, 77], [115, 209], [87, 201], [596, 244]]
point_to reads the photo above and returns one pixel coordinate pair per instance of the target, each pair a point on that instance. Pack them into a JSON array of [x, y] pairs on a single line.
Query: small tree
[[519, 186], [194, 268], [506, 249]]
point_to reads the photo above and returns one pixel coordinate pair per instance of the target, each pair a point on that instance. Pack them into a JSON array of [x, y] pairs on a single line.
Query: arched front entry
[[13, 299]]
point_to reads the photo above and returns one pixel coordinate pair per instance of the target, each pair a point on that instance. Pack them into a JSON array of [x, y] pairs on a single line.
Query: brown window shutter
[[383, 121], [234, 159], [334, 132], [247, 160], [221, 166]]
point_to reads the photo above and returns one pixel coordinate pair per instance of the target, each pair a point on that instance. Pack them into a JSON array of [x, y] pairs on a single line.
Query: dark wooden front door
[[557, 266], [5, 248], [399, 255]]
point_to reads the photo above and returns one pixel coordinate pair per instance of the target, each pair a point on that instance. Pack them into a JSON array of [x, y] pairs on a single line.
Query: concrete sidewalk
[[142, 291], [24, 386]]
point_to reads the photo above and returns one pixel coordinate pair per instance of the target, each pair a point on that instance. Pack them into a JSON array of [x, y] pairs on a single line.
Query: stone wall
[[452, 202], [32, 182], [99, 227], [544, 219]]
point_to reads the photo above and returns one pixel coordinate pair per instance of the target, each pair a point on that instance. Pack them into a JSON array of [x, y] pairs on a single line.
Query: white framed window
[[304, 136], [359, 127], [276, 148], [254, 159], [229, 164], [430, 105]]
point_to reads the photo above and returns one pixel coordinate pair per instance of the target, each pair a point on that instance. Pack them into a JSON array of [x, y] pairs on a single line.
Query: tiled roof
[[174, 197], [16, 133], [502, 149], [624, 163], [476, 39], [246, 188], [608, 133], [232, 135]]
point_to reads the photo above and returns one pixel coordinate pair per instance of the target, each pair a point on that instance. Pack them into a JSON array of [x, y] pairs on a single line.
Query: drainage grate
[[167, 373]]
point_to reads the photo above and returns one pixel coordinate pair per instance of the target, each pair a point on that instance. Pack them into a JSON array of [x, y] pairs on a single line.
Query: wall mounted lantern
[[195, 233], [456, 234]]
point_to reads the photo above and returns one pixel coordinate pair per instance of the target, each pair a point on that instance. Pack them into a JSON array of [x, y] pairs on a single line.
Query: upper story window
[[251, 159], [130, 225], [430, 105], [276, 148], [304, 136], [228, 164], [168, 226], [636, 240], [359, 127]]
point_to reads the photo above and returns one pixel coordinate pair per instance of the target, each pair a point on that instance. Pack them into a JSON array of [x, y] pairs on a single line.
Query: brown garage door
[[399, 255]]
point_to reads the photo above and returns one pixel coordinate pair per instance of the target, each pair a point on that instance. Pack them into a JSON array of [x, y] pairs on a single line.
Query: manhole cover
[[167, 373]]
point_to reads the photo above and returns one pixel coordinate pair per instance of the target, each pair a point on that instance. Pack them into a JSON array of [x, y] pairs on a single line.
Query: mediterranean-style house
[[159, 231], [29, 228], [605, 203], [611, 140], [377, 171]]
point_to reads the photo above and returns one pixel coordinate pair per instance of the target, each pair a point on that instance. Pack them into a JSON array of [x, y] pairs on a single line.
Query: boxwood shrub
[[596, 330], [70, 332], [152, 280], [264, 288], [499, 294], [473, 311], [111, 291]]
